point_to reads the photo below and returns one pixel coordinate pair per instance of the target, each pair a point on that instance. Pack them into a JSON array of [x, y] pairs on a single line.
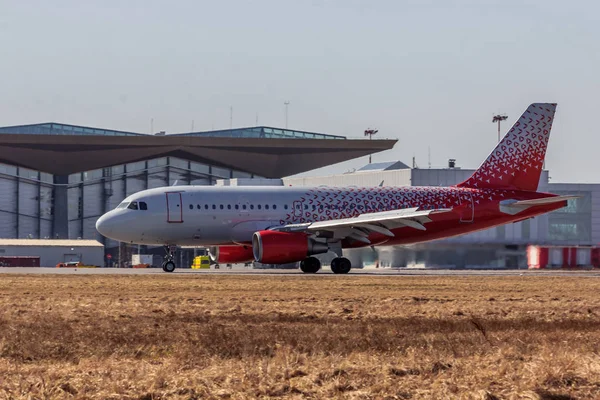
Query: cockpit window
[[133, 205]]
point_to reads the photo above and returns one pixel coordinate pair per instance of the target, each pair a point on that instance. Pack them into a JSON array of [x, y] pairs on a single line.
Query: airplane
[[284, 224]]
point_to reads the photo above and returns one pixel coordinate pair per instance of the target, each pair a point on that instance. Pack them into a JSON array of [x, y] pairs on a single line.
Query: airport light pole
[[499, 118], [370, 132], [286, 103]]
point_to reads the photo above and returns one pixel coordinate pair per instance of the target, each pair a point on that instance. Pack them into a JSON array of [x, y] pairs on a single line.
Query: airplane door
[[467, 213], [174, 208]]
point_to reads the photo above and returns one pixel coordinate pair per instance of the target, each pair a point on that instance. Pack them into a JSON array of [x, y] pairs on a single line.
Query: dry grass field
[[355, 337]]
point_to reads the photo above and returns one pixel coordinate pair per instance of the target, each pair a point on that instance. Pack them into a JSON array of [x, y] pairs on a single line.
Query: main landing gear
[[168, 264], [310, 265], [339, 265]]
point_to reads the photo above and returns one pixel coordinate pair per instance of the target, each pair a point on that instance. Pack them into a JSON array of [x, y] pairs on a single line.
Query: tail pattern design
[[517, 161]]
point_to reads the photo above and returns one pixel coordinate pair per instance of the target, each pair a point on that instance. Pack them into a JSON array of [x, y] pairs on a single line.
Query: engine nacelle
[[273, 247], [231, 254]]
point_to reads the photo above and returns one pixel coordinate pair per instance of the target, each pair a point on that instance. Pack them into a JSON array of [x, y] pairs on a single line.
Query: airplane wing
[[359, 227]]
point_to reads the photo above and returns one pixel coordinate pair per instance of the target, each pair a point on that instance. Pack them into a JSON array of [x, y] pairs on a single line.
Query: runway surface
[[290, 272]]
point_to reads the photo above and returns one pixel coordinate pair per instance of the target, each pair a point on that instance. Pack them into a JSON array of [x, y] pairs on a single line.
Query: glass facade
[[26, 203]]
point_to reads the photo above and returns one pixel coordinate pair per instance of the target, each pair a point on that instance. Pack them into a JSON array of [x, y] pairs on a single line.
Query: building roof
[[57, 150], [385, 166], [50, 242]]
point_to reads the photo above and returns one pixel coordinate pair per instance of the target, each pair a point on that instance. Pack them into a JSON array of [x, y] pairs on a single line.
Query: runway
[[295, 272]]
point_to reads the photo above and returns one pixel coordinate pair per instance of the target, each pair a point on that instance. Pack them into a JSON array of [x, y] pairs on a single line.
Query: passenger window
[[285, 207], [274, 206], [143, 205], [221, 206], [258, 206], [191, 206], [237, 207], [229, 206], [244, 206], [133, 205], [198, 206], [306, 206], [214, 207], [252, 206], [266, 207]]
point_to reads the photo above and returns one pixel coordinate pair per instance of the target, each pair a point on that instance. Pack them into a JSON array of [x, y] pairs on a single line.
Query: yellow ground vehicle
[[201, 262]]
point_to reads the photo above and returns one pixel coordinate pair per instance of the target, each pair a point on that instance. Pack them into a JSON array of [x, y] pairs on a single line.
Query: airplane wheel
[[341, 265], [169, 266], [310, 265]]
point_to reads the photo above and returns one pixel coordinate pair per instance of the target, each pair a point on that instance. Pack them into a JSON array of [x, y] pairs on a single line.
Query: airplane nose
[[105, 225]]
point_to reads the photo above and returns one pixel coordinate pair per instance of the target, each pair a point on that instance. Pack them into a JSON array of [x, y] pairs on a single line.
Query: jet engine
[[231, 254], [273, 247]]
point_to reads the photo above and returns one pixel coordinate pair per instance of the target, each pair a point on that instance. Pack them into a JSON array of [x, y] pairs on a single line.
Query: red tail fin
[[516, 162]]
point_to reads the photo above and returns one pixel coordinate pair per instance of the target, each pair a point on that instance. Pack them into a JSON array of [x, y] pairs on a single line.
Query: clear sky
[[430, 73]]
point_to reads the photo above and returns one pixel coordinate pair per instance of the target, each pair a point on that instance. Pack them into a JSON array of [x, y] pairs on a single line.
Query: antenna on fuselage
[[175, 183], [381, 184]]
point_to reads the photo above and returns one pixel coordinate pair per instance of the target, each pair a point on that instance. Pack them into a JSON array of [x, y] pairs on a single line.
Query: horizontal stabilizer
[[544, 200], [513, 207]]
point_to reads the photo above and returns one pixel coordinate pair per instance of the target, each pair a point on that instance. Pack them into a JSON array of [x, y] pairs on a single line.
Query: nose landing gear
[[168, 264]]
